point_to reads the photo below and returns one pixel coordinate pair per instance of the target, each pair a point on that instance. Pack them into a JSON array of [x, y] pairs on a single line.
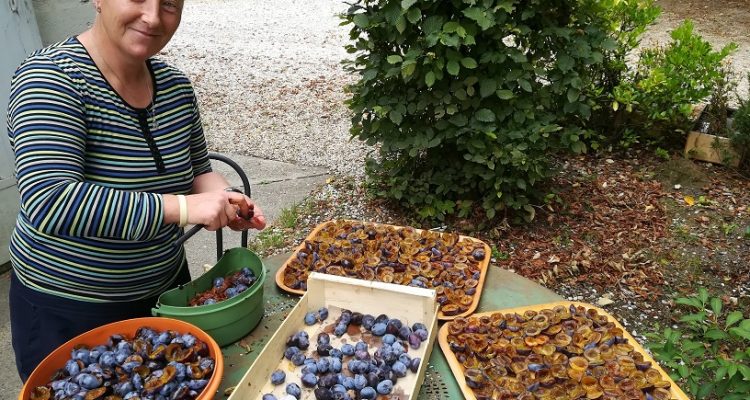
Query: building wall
[[60, 19], [20, 36]]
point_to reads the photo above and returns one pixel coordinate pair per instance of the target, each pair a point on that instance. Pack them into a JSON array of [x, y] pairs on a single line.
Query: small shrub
[[709, 352], [663, 154], [659, 94], [267, 240], [468, 99], [655, 99], [713, 119], [628, 19], [740, 136], [288, 217]]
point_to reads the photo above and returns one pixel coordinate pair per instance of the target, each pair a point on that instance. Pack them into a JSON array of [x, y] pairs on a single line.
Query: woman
[[111, 162]]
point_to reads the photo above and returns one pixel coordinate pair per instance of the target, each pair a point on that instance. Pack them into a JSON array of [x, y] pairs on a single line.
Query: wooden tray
[[458, 370], [482, 266], [336, 292]]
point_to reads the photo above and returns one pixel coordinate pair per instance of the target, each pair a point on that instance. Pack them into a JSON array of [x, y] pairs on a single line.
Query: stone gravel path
[[269, 79]]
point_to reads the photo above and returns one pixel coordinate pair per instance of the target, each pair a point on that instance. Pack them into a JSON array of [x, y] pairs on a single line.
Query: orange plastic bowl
[[100, 335]]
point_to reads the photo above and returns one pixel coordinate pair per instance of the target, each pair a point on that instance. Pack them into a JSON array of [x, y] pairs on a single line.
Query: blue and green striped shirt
[[91, 170]]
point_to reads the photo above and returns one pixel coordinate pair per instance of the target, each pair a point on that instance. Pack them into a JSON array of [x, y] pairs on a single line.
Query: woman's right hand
[[214, 210]]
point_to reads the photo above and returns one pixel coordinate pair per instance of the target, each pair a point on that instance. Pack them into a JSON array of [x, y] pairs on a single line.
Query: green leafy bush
[[467, 99], [710, 351], [740, 136], [628, 20], [659, 94]]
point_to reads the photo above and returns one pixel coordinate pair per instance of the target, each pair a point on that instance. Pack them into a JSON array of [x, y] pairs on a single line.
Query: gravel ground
[[270, 83], [269, 79]]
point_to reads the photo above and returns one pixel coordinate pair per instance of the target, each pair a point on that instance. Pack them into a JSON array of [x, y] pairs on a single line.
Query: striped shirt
[[91, 172]]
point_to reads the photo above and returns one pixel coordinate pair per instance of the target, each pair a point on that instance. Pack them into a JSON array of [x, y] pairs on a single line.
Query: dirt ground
[[728, 19]]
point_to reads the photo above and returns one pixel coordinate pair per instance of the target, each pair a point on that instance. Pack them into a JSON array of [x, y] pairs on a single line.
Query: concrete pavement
[[275, 186]]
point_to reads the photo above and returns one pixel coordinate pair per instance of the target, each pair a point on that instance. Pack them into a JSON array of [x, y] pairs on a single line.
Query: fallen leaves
[[605, 229]]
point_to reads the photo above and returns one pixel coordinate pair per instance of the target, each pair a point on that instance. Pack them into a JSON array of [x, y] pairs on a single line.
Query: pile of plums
[[225, 287], [564, 352], [446, 262], [356, 370], [151, 365]]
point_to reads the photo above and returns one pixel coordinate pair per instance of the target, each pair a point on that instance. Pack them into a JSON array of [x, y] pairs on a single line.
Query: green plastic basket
[[226, 321]]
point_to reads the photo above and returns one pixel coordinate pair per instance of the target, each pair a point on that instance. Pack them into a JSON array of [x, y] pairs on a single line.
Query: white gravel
[[269, 79], [270, 82]]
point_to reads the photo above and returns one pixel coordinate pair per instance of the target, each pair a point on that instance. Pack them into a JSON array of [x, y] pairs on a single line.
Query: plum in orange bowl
[[139, 358]]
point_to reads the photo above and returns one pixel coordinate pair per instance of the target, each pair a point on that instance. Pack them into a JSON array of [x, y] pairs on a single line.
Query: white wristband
[[183, 210]]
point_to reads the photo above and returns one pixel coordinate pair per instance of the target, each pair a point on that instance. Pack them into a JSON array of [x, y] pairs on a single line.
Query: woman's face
[[140, 28]]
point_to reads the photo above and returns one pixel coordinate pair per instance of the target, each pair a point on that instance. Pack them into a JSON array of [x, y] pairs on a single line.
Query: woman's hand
[[249, 216], [216, 210]]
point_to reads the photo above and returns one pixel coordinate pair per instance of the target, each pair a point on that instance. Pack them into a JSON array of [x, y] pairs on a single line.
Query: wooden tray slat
[[458, 370]]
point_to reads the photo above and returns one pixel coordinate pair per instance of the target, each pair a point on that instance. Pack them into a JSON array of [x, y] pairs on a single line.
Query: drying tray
[[458, 370], [441, 316], [336, 293]]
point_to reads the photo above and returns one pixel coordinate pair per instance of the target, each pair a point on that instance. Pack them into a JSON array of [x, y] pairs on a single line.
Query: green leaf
[[716, 305], [683, 370], [505, 94], [525, 85], [530, 213], [487, 87], [408, 69], [705, 390], [690, 301], [690, 345], [737, 331], [485, 115], [401, 24], [506, 5], [429, 79], [716, 334], [361, 20], [369, 75], [394, 59], [469, 62], [745, 371], [732, 370], [453, 67], [721, 372], [432, 25], [733, 318], [703, 295], [573, 95], [458, 120], [578, 147], [407, 3], [565, 62], [451, 27], [414, 15], [694, 317], [474, 13], [396, 117], [745, 324]]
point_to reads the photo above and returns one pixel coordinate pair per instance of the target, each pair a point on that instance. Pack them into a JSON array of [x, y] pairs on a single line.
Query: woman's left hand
[[245, 207]]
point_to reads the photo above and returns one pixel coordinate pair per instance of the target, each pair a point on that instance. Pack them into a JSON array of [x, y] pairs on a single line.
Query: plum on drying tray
[[446, 262]]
